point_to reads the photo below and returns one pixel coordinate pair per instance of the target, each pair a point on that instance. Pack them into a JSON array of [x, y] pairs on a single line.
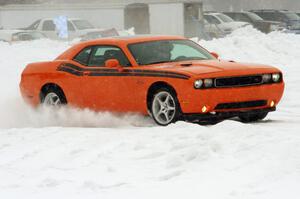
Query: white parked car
[[20, 35], [213, 30], [76, 27], [223, 22]]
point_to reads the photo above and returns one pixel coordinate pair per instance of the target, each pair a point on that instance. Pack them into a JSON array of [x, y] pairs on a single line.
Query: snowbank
[[42, 155]]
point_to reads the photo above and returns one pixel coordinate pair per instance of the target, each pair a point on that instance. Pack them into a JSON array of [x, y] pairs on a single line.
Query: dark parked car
[[256, 21], [291, 19]]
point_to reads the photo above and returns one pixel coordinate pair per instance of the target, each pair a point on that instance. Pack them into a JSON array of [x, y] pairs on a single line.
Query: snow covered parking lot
[[81, 154]]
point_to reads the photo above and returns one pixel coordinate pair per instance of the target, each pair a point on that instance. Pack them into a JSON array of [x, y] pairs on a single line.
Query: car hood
[[216, 68]]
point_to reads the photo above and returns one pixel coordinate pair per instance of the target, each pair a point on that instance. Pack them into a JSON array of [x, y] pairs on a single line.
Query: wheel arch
[[154, 87], [46, 87]]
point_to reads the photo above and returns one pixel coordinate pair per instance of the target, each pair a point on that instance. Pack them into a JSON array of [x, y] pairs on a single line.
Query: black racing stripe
[[136, 74], [71, 71], [95, 74], [89, 69], [126, 70]]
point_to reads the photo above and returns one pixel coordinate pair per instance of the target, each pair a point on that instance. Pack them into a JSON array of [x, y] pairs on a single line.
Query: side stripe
[[78, 71]]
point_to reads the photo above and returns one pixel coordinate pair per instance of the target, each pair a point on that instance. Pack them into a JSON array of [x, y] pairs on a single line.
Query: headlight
[[198, 83], [276, 77], [267, 78], [208, 83]]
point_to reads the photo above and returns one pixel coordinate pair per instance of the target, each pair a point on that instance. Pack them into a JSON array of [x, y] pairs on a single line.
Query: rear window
[[83, 56]]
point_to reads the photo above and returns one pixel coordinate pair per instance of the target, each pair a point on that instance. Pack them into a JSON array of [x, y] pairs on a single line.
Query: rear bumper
[[217, 116]]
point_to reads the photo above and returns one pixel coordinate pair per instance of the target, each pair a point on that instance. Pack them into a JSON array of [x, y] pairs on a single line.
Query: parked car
[[76, 27], [225, 23], [169, 77], [17, 35], [256, 21], [213, 30], [290, 19], [100, 34]]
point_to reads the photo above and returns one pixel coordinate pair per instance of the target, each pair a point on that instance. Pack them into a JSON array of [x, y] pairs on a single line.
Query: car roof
[[118, 40], [132, 39]]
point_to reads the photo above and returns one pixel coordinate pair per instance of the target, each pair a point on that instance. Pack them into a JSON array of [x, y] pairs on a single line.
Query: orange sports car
[[170, 78]]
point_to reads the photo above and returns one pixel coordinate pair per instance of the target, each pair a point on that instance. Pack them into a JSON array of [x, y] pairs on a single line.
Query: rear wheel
[[252, 117], [164, 107], [54, 97]]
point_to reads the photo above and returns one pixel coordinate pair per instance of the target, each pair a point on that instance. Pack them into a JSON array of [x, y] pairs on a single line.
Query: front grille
[[239, 81], [237, 105]]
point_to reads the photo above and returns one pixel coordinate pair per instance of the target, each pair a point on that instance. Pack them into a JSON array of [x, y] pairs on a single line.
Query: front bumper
[[192, 101], [219, 116]]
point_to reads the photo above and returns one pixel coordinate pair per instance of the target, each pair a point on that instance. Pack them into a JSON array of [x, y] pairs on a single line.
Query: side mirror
[[215, 55], [113, 63]]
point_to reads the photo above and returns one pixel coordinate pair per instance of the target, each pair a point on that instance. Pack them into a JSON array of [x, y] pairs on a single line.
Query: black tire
[[176, 105], [57, 91], [252, 117]]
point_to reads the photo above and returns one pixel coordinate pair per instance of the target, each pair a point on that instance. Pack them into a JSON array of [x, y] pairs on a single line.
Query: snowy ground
[[80, 154]]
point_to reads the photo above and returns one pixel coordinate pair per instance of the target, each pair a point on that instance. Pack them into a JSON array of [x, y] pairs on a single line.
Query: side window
[[231, 15], [280, 17], [101, 54], [70, 26], [242, 17], [267, 16], [83, 56], [48, 26]]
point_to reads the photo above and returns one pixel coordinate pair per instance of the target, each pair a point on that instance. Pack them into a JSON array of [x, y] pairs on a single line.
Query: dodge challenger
[[169, 78]]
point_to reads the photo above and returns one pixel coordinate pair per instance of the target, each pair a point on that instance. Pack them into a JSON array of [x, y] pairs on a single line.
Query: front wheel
[[164, 107], [252, 117]]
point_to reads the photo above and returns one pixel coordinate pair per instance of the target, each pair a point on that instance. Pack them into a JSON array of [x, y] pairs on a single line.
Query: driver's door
[[108, 89]]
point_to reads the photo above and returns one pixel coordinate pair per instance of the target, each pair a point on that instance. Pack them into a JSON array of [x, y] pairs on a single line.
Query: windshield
[[254, 17], [82, 24], [33, 26], [292, 16], [155, 52], [224, 18]]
